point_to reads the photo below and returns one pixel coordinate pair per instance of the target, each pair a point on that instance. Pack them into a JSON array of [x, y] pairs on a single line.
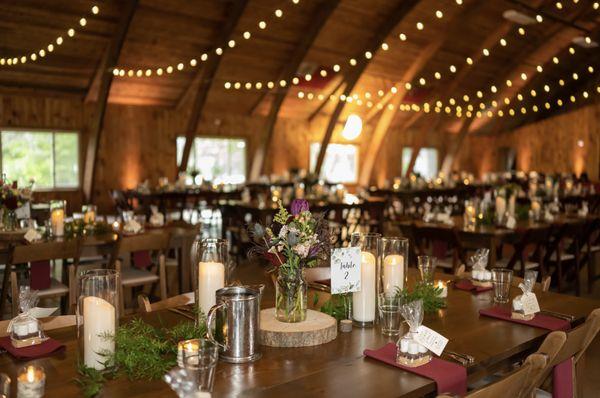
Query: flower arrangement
[[11, 198], [293, 242]]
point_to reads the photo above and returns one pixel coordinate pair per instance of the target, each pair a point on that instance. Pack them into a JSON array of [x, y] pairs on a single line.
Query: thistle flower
[[299, 206]]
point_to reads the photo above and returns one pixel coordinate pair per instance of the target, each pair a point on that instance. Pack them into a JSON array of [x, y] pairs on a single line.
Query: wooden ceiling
[[167, 32]]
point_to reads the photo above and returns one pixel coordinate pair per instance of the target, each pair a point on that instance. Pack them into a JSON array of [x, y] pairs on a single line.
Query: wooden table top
[[336, 368]]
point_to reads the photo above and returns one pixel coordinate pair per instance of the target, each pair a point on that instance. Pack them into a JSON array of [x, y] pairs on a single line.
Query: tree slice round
[[318, 328]]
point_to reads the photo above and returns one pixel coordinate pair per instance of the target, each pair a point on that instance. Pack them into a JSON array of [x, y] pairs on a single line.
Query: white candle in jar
[[98, 320], [363, 302], [211, 277], [500, 207], [393, 273], [444, 289], [57, 219], [31, 382]]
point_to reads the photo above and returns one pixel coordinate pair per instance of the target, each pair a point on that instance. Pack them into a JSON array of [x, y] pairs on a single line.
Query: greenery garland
[[142, 352]]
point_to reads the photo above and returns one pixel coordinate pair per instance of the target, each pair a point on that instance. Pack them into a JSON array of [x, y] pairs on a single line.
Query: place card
[[530, 304], [345, 270], [431, 339]]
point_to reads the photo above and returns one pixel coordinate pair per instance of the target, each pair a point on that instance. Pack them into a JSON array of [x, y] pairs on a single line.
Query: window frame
[[53, 131], [355, 145], [218, 137], [412, 148]]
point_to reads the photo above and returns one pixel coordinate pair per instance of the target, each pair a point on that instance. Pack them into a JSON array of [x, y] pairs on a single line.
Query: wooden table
[[337, 368]]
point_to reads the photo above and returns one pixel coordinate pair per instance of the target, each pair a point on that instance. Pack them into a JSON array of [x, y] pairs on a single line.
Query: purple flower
[[299, 206]]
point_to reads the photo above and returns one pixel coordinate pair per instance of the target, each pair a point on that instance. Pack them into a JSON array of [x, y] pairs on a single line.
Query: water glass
[[389, 314], [426, 268], [202, 364], [4, 385], [502, 280]]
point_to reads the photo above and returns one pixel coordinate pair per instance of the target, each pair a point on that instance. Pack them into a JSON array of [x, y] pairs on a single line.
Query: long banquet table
[[337, 368]]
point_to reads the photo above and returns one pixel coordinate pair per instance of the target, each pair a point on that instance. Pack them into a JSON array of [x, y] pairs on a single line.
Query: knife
[[566, 317]]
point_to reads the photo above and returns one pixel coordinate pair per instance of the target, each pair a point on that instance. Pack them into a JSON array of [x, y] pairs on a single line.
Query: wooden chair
[[49, 323], [183, 299], [577, 342], [449, 236], [134, 277], [569, 236], [529, 251], [514, 384], [51, 250], [543, 285]]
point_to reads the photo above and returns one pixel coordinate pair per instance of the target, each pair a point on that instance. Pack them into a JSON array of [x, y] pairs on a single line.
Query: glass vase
[[9, 220], [394, 265], [291, 298], [97, 317], [364, 302], [58, 212], [211, 263]]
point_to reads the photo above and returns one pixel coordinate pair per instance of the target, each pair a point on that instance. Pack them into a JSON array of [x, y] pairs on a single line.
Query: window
[[426, 164], [340, 164], [218, 160], [50, 158]]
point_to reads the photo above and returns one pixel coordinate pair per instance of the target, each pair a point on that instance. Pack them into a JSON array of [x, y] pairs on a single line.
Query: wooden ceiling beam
[[396, 16], [324, 12], [204, 79], [319, 108], [95, 129]]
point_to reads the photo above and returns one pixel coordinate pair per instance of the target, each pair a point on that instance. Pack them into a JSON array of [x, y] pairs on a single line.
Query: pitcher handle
[[209, 321]]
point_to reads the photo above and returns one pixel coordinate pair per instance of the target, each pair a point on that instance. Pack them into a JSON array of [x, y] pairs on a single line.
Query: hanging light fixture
[[352, 128]]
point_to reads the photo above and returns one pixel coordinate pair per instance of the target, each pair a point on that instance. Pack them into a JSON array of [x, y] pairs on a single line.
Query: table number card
[[431, 339], [530, 304], [345, 270]]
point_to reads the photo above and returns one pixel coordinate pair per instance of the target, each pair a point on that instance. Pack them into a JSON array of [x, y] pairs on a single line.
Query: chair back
[[49, 323], [145, 241], [426, 234], [183, 299], [51, 250]]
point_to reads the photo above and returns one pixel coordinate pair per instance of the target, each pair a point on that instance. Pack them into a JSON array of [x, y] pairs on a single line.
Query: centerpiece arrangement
[[11, 198], [293, 242]]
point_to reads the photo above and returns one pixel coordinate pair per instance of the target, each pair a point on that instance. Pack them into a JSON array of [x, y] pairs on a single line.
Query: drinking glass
[[389, 314], [202, 364], [426, 268], [501, 279], [4, 385]]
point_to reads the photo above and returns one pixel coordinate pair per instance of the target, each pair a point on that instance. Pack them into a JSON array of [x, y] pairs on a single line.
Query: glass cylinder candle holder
[[469, 216], [57, 217], [97, 316], [89, 214], [364, 302], [210, 258], [31, 381], [394, 264]]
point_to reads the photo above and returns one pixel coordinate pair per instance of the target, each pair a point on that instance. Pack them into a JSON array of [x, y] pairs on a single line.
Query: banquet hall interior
[[391, 198]]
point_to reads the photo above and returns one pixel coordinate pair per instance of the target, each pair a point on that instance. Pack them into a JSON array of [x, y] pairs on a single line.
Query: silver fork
[[469, 359]]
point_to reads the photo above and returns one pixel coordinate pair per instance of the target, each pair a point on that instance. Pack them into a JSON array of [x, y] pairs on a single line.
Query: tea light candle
[[116, 226], [98, 320], [413, 348], [404, 345], [211, 277], [363, 302], [422, 349], [57, 219], [393, 273], [89, 216], [188, 346], [442, 285], [30, 382]]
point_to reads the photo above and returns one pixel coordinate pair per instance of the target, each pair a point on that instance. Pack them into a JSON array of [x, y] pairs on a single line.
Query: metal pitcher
[[236, 317]]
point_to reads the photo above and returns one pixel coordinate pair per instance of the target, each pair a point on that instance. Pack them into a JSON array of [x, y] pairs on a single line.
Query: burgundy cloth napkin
[[539, 321], [562, 379], [35, 351], [466, 284], [39, 275], [449, 377], [142, 259]]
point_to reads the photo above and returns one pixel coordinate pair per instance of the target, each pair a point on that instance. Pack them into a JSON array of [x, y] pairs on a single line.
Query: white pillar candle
[[98, 320], [57, 219], [500, 207], [363, 302], [211, 277], [393, 273], [512, 203]]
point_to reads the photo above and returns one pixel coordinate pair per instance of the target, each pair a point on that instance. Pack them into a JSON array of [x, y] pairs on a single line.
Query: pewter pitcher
[[236, 318]]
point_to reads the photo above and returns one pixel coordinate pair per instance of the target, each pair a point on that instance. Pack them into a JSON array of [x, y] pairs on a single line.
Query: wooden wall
[[550, 145]]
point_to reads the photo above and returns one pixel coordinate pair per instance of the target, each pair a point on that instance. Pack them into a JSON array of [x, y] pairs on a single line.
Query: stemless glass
[[389, 314], [202, 364], [426, 268], [501, 279]]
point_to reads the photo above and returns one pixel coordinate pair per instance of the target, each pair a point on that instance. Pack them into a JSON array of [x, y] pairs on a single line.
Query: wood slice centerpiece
[[318, 328]]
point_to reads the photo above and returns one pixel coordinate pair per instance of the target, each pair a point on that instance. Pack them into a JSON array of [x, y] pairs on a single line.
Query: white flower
[[302, 249], [283, 232]]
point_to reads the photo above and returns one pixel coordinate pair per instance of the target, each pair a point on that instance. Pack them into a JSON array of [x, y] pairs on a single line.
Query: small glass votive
[[389, 314], [190, 346], [202, 364], [4, 385], [443, 286], [426, 268], [31, 381], [501, 280]]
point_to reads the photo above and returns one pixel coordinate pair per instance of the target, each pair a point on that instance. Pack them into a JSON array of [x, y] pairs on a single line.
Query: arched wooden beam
[[324, 11], [205, 76], [415, 68], [396, 15], [95, 129], [323, 103]]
